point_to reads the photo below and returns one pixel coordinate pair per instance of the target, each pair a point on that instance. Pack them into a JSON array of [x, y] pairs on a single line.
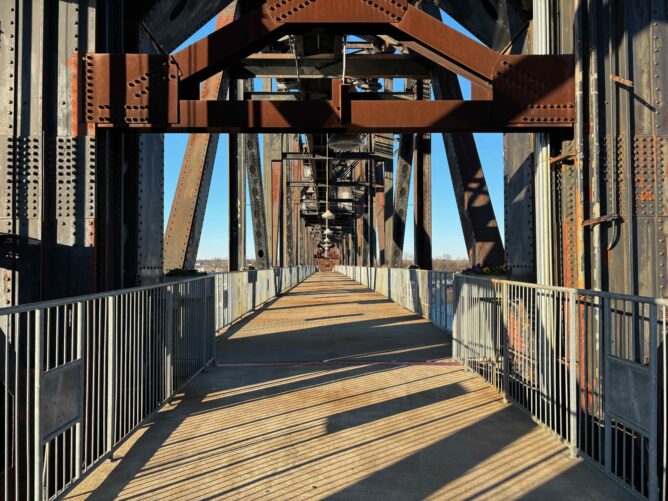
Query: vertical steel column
[[379, 208], [286, 243], [237, 193], [518, 150], [276, 205], [45, 148], [272, 152], [384, 174], [404, 167], [370, 233], [297, 174], [543, 21], [254, 172], [422, 189]]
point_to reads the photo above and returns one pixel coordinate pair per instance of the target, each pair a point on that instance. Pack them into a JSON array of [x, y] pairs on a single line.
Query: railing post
[[607, 318], [169, 341], [38, 456], [572, 376], [211, 329], [654, 407], [505, 344], [111, 374], [81, 353]]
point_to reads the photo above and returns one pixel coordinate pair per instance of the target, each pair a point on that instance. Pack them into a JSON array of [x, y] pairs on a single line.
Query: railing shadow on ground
[[403, 431], [427, 433]]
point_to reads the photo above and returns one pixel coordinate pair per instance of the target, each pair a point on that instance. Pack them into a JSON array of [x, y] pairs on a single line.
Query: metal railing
[[80, 375], [590, 366], [426, 293]]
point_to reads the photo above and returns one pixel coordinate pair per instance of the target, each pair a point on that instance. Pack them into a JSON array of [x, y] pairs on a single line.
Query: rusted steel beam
[[422, 190], [404, 167], [272, 152], [275, 18], [171, 22], [481, 231], [358, 116], [523, 93], [383, 149], [388, 181], [184, 227]]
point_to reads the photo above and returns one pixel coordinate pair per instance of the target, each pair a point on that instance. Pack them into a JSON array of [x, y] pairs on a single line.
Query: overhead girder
[[159, 93]]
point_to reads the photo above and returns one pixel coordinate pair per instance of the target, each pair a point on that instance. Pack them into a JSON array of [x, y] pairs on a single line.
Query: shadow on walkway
[[408, 430]]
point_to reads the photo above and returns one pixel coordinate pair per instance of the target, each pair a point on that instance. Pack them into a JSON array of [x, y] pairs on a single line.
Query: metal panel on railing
[[81, 374]]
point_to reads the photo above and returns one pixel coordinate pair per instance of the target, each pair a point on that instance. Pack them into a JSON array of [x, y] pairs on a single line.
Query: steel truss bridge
[[330, 107]]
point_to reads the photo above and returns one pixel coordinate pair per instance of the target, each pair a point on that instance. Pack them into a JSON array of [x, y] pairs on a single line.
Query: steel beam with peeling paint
[[192, 191]]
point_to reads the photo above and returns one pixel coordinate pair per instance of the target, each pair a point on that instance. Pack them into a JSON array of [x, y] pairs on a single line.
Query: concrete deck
[[370, 417]]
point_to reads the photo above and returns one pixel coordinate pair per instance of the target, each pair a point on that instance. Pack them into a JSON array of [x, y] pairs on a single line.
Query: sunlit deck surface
[[334, 392]]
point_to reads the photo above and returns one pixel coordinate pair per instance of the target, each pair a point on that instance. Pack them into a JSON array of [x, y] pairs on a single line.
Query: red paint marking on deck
[[339, 362]]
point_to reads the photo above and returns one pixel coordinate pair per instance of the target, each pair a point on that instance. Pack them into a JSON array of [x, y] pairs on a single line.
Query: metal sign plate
[[61, 398], [631, 398]]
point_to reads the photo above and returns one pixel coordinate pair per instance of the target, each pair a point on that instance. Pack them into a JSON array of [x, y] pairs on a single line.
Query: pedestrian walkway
[[334, 392]]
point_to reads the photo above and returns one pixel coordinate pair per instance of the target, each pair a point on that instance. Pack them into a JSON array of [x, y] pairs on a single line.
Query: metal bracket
[[131, 89], [603, 219]]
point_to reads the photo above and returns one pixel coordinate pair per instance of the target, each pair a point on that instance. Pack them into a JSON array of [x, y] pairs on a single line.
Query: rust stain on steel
[[131, 89], [73, 66]]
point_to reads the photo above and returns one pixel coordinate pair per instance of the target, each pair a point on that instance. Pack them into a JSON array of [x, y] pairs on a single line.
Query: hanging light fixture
[[328, 214], [328, 232], [345, 142]]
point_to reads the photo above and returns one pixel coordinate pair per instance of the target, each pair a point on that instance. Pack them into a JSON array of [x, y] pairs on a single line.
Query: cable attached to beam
[[345, 47]]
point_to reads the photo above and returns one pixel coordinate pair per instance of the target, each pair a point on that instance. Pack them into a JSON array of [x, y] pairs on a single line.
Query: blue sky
[[447, 233]]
